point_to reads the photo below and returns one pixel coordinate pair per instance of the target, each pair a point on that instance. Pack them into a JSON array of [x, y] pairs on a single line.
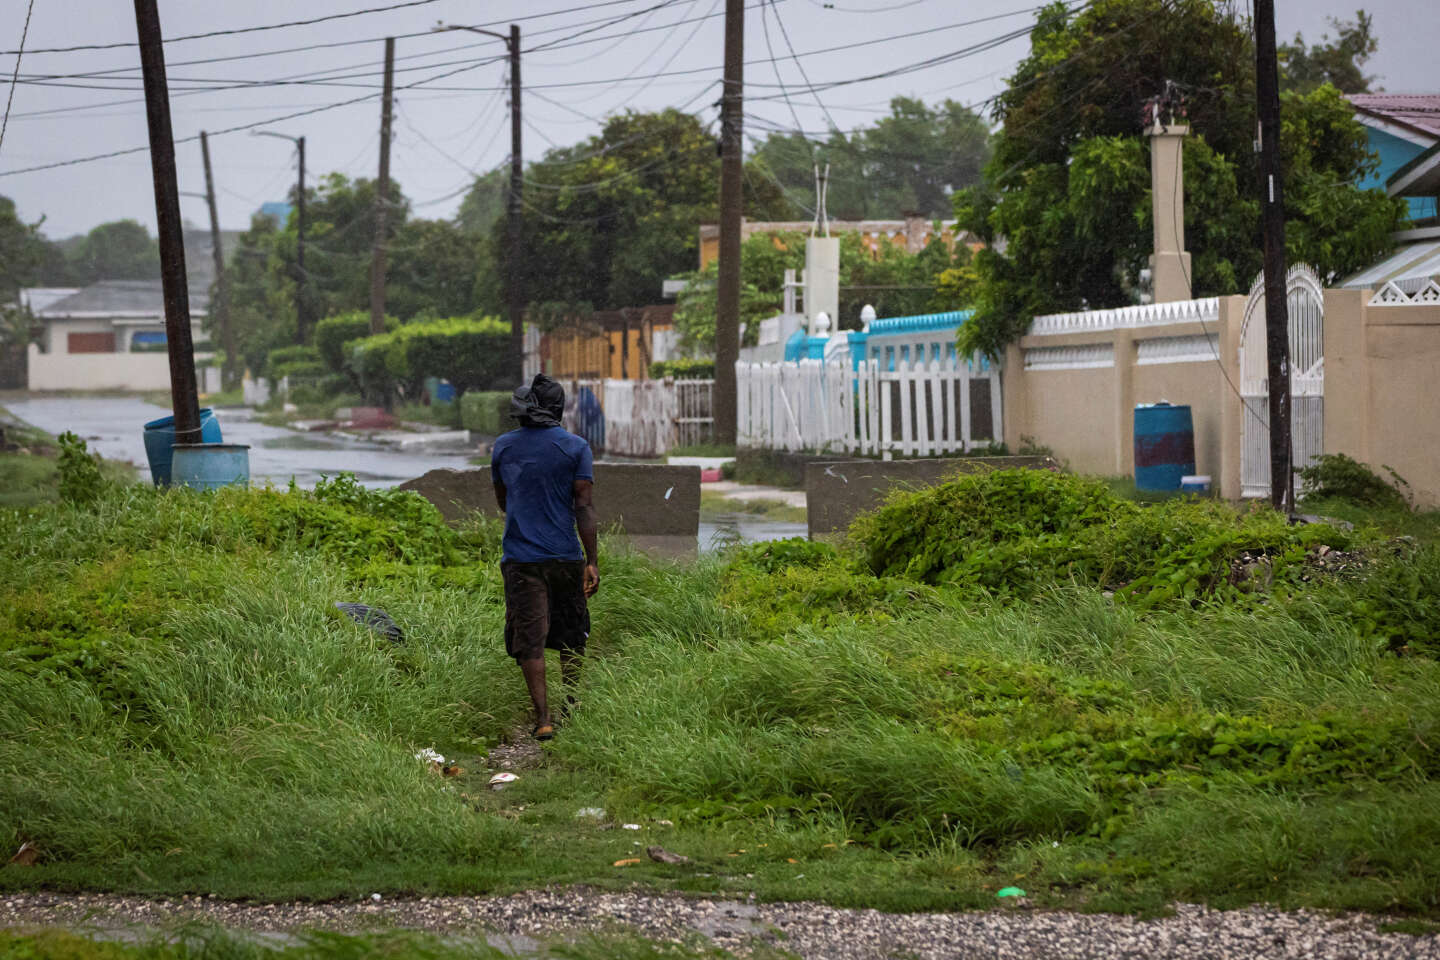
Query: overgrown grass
[[704, 450], [184, 712]]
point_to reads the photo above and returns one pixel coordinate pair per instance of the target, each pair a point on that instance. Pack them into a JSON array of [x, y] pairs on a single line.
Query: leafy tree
[[26, 257], [432, 270], [1065, 208], [911, 160], [262, 294], [609, 218], [119, 250], [1339, 62]]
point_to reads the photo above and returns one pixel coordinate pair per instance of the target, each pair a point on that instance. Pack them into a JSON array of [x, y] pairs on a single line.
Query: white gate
[[1305, 301]]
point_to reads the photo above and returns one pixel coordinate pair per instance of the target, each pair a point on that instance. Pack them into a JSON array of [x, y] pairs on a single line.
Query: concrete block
[[655, 506], [838, 491]]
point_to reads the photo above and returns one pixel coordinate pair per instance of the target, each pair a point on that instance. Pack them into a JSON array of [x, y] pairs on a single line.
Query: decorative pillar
[[1169, 264]]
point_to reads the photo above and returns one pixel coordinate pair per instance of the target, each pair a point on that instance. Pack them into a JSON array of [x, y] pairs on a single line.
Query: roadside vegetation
[[1011, 679]]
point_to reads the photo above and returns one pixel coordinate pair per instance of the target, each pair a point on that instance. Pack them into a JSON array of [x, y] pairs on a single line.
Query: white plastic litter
[[591, 813], [428, 755], [501, 778], [375, 897], [632, 826]]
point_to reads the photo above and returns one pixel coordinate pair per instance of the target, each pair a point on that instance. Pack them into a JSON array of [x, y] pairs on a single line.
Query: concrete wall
[[1382, 392], [1079, 393], [837, 491], [656, 507]]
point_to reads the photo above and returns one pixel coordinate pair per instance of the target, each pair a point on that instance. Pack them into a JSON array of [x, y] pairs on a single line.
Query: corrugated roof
[[134, 298], [1418, 111], [1410, 267]]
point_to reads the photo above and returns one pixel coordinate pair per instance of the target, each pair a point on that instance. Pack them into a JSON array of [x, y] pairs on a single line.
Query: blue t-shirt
[[539, 467]]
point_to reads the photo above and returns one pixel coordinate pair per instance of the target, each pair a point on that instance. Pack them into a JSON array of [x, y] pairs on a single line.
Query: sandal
[[543, 732]]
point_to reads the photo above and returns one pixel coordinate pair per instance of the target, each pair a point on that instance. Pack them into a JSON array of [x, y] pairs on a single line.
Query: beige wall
[[1382, 387], [1086, 415], [109, 371]]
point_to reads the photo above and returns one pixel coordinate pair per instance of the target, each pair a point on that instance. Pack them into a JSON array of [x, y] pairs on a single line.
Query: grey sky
[[442, 134]]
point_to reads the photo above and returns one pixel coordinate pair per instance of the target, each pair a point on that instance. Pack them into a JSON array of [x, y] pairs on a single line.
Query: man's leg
[[534, 671]]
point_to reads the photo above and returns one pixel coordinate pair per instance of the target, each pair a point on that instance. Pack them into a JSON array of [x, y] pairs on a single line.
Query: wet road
[[114, 428]]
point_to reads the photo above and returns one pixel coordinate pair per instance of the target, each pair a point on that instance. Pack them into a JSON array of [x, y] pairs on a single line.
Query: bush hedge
[[333, 333], [683, 368], [467, 351], [486, 411], [292, 361]]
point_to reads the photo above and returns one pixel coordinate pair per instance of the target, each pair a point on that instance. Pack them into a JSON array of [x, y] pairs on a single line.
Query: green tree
[[118, 250], [609, 218], [1339, 62], [1065, 208], [27, 259], [909, 161]]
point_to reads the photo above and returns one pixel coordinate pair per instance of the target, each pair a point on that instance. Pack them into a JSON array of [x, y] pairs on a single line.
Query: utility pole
[[382, 197], [727, 316], [515, 297], [514, 210], [301, 300], [1272, 222], [185, 403], [222, 293]]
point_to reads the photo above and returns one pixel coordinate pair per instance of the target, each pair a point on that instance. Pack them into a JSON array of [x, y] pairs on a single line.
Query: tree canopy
[[1065, 205], [1338, 62], [909, 161]]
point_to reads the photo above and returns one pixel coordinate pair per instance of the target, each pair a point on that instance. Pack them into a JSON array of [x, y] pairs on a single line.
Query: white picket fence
[[921, 409], [639, 418]]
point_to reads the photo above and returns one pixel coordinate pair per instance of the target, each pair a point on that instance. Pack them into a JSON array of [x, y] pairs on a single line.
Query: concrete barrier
[[656, 507], [837, 491]]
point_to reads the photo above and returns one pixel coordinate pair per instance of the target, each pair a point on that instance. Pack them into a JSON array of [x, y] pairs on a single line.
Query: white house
[[108, 336]]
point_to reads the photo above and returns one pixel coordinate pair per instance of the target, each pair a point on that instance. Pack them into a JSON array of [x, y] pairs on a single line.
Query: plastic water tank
[[1164, 445], [160, 437]]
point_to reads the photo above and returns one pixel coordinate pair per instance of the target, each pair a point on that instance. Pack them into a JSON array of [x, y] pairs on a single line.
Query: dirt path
[[808, 930]]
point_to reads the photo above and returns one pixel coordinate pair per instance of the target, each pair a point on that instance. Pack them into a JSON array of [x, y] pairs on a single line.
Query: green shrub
[[683, 368], [333, 333], [310, 370], [1398, 601], [486, 412], [1341, 477], [292, 356], [1011, 533], [470, 352], [80, 478]]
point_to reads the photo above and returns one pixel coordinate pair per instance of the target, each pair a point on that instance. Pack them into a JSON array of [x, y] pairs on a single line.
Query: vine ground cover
[[183, 713]]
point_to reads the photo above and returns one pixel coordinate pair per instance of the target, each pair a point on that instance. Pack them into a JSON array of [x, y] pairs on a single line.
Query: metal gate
[[1305, 301]]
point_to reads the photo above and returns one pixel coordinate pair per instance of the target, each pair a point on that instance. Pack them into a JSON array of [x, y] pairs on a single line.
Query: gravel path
[[807, 929]]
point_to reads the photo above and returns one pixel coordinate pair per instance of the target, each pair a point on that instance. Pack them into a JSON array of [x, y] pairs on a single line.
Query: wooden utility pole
[[515, 296], [1272, 222], [184, 400], [302, 308], [382, 197], [727, 314], [222, 293]]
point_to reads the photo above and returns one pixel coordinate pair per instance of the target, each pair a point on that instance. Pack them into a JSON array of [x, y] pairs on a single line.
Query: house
[[1404, 131], [108, 336], [1400, 126]]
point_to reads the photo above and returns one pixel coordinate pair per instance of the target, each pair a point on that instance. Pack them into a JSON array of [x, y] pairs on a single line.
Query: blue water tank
[[1164, 445], [209, 466], [160, 437]]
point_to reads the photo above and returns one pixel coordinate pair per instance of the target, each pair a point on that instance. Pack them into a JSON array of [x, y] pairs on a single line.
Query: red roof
[[1418, 111]]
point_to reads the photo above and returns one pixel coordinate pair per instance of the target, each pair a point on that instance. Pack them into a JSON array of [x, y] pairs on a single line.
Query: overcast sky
[[448, 126]]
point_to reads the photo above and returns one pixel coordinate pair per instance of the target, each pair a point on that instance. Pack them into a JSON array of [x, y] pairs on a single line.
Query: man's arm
[[499, 490], [589, 529]]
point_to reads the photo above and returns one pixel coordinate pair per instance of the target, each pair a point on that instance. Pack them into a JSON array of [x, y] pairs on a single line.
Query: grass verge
[[185, 714]]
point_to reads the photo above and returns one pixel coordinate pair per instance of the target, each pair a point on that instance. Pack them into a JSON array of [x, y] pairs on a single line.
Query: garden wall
[[837, 491], [656, 507]]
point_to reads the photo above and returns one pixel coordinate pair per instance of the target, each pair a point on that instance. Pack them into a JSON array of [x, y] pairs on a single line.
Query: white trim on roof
[[1397, 129]]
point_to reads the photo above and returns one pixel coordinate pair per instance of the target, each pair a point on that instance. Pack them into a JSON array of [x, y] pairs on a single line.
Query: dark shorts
[[544, 608]]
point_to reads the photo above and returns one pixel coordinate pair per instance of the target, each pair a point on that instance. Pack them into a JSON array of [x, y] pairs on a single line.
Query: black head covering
[[541, 404]]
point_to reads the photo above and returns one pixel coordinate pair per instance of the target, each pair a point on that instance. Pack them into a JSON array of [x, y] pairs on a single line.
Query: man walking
[[543, 475]]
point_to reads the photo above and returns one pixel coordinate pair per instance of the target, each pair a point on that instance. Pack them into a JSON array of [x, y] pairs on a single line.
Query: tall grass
[[182, 704]]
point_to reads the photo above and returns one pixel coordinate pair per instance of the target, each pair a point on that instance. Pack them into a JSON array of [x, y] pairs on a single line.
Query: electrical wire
[[234, 31], [791, 47], [10, 98]]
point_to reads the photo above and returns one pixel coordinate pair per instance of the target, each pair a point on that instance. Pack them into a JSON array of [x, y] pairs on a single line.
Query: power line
[[10, 98], [791, 47], [234, 31]]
